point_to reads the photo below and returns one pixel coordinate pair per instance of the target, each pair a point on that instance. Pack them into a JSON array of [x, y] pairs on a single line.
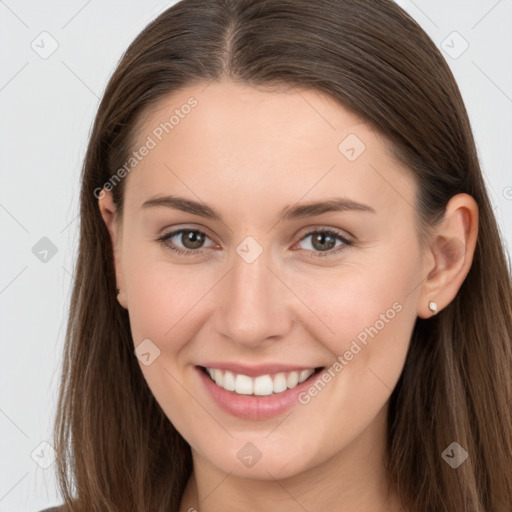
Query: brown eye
[[192, 239], [325, 242], [184, 241]]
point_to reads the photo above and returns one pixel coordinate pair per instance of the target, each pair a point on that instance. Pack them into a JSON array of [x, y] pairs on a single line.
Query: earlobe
[[451, 249], [121, 299], [108, 213]]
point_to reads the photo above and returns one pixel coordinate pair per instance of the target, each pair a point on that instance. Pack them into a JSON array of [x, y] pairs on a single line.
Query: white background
[[47, 109]]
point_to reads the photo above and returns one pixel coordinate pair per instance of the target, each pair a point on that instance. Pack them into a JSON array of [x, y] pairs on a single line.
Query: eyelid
[[337, 231], [347, 241], [346, 238], [177, 231], [174, 230]]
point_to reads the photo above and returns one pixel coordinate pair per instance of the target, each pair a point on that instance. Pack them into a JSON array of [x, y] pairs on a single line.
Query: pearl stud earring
[[432, 306]]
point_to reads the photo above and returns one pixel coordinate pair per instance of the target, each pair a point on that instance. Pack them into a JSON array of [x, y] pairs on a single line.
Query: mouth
[[260, 385]]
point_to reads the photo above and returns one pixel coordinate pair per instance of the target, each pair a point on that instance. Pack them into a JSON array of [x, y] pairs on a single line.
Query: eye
[[323, 242], [191, 239]]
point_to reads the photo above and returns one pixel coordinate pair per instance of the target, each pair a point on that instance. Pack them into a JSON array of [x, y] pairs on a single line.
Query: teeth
[[292, 380], [304, 374], [243, 385], [262, 385], [218, 376], [229, 381], [280, 383]]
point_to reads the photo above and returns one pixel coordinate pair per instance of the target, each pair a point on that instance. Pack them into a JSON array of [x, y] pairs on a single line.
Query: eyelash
[[314, 254]]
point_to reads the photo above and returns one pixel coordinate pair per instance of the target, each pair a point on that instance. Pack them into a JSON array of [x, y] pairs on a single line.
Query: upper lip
[[256, 370]]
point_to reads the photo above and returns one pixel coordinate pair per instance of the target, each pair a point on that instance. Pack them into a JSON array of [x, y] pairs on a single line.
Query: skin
[[250, 153]]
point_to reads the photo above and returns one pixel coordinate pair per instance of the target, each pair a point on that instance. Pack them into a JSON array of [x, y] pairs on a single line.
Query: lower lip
[[253, 407]]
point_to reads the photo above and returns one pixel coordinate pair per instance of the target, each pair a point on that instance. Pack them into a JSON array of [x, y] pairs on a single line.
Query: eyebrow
[[299, 211]]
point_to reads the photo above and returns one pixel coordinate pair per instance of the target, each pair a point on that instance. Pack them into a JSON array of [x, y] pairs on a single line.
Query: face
[[259, 288]]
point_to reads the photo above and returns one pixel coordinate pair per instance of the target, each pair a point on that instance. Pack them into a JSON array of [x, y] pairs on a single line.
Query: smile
[[262, 385], [255, 392]]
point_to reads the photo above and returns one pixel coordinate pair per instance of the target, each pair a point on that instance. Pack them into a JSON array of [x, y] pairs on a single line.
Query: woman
[[291, 290]]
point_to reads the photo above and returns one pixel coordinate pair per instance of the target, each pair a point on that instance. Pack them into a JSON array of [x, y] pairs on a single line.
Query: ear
[[449, 255], [111, 218]]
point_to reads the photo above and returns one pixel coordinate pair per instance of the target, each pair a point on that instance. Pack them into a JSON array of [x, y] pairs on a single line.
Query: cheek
[[162, 297], [372, 315], [162, 301], [368, 313], [360, 301]]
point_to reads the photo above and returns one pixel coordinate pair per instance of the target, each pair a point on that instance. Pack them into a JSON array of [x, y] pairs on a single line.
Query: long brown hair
[[117, 451]]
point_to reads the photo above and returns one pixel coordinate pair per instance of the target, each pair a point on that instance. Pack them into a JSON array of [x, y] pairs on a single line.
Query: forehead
[[208, 139]]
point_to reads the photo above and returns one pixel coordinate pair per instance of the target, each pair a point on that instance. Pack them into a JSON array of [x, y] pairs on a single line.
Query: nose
[[255, 308]]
